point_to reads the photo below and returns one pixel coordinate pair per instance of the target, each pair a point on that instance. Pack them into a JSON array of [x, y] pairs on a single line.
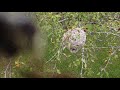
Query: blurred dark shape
[[19, 33], [118, 29], [16, 33]]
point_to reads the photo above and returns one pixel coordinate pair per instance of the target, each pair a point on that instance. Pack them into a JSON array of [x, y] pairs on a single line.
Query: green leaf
[[58, 71], [98, 73]]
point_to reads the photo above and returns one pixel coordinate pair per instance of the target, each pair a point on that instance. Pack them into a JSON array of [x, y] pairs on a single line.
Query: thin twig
[[51, 58], [83, 61], [108, 61], [104, 33], [63, 20], [6, 70], [103, 47]]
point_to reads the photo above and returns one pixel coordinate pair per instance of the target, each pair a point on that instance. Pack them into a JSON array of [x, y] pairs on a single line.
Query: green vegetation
[[101, 56]]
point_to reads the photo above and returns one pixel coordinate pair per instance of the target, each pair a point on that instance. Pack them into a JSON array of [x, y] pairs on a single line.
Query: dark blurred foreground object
[[16, 33]]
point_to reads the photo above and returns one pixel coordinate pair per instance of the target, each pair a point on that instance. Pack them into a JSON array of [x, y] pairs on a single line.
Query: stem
[[6, 70], [83, 61]]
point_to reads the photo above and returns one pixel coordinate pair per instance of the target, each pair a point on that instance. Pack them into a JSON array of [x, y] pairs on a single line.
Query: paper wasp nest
[[74, 39]]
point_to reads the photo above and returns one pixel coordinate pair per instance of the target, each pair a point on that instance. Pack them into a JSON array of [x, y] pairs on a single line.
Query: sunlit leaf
[[58, 71]]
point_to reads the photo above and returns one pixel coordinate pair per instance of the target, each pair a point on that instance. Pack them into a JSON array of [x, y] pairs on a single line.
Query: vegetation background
[[100, 57]]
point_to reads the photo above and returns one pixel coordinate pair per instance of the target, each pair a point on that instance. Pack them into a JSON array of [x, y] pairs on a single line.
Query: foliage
[[99, 57]]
